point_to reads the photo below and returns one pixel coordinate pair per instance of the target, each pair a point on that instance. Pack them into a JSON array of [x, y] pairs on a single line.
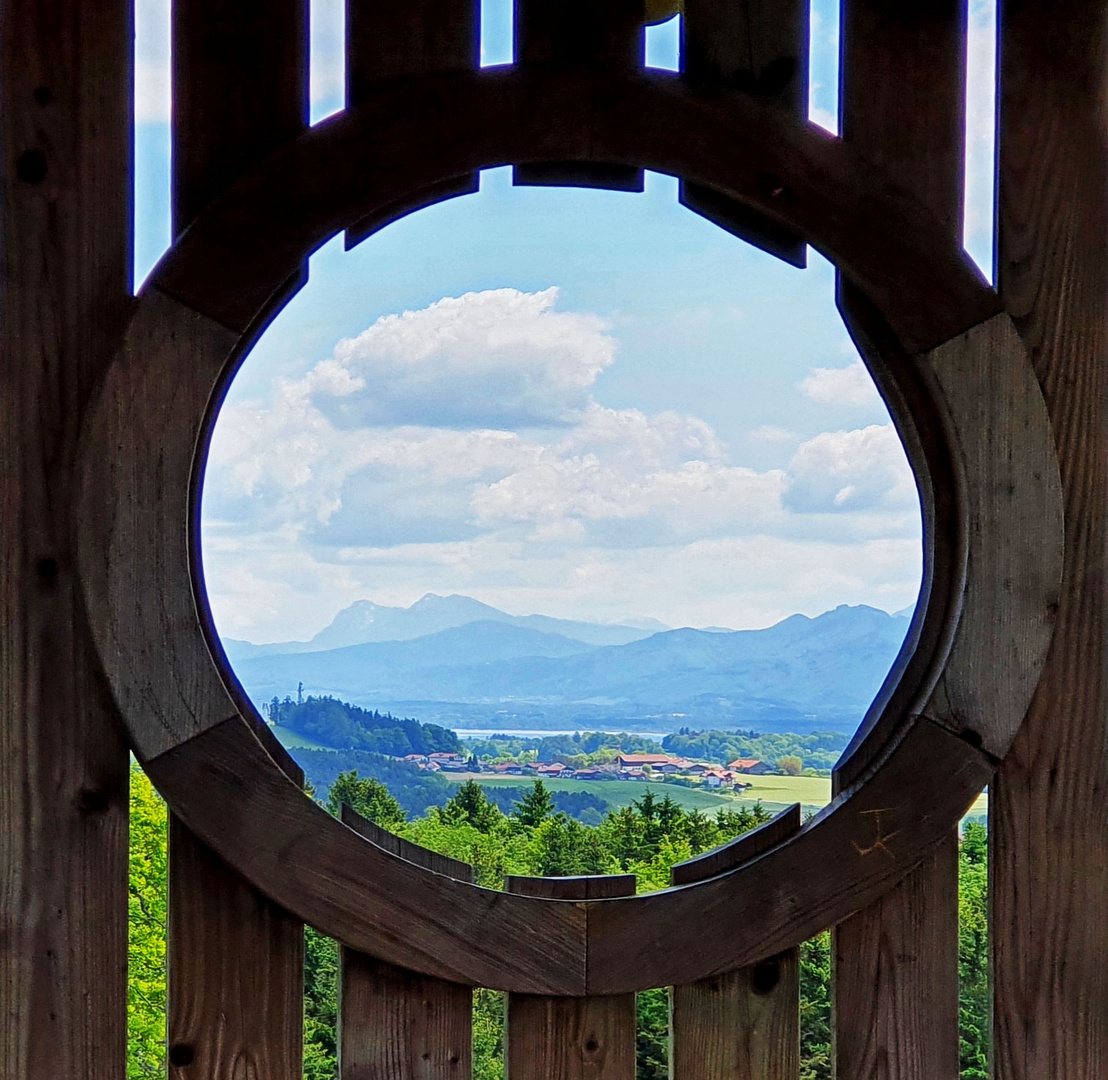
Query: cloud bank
[[462, 448]]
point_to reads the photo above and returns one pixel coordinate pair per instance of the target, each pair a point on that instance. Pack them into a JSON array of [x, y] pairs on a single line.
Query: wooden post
[[396, 1024], [744, 1024], [562, 1038], [388, 41], [65, 285], [1048, 807], [236, 965], [760, 48], [895, 964]]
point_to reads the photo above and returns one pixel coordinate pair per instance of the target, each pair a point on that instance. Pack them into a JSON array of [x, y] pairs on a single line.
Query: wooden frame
[[958, 383]]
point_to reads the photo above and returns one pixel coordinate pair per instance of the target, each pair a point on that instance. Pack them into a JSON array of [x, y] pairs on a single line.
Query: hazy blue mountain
[[365, 621], [800, 674]]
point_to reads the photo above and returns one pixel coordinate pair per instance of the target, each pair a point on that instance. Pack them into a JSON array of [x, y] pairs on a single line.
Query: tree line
[[531, 836]]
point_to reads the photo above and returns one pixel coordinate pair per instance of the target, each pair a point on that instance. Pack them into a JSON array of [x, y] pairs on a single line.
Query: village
[[624, 767]]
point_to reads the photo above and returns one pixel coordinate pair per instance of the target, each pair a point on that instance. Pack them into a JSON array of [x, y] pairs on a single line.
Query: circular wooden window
[[944, 354]]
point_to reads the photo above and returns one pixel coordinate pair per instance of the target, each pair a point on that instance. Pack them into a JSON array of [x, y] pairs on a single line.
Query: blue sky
[[590, 404]]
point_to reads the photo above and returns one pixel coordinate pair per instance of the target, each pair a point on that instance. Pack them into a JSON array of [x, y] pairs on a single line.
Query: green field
[[290, 740], [775, 792]]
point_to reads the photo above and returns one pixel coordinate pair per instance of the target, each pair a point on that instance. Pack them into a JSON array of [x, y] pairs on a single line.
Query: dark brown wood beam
[[895, 963], [65, 284], [1049, 803]]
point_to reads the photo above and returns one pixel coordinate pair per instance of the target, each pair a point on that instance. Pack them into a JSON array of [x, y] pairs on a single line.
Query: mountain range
[[802, 674]]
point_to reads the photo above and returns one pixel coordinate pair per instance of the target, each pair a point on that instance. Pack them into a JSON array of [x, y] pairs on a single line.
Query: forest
[[330, 722], [531, 837]]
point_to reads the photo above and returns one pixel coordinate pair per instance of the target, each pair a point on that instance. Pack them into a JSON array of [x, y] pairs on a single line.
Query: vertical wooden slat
[[590, 1038], [895, 964], [760, 48], [65, 284], [396, 1024], [240, 90], [388, 41], [745, 1024], [578, 33], [236, 966], [1048, 806]]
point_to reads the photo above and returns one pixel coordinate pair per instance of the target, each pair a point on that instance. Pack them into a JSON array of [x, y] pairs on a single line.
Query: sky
[[588, 404]]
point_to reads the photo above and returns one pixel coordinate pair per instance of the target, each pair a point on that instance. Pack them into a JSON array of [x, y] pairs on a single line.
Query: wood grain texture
[[895, 963], [416, 132], [395, 1024], [735, 852], [240, 90], [564, 1038], [389, 41], [65, 284], [579, 33], [895, 967], [1049, 802], [236, 972], [743, 1024], [759, 48]]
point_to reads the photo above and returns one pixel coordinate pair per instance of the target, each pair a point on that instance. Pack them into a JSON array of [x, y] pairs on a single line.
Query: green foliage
[[330, 722], [321, 1005], [415, 789], [369, 797], [815, 1008], [488, 1035], [535, 806], [146, 932], [818, 751], [645, 839], [790, 765], [973, 953], [652, 1035]]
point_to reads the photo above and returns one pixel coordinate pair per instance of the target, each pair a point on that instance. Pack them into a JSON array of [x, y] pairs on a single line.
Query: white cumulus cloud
[[851, 386]]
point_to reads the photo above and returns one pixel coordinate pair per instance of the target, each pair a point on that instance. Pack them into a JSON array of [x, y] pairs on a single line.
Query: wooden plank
[[573, 33], [388, 41], [395, 1024], [895, 963], [738, 851], [571, 1038], [895, 978], [761, 48], [742, 1024], [65, 284], [1049, 801], [236, 972], [240, 90]]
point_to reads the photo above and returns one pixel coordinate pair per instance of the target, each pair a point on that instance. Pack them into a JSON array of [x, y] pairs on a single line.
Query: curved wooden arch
[[975, 426]]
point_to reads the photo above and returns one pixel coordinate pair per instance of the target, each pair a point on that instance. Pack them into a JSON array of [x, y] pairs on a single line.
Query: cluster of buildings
[[625, 767]]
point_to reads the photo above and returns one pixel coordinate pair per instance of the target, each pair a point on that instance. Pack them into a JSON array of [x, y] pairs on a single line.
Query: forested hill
[[327, 721]]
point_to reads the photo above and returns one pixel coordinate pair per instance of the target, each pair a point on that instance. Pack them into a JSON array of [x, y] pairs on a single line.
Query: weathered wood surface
[[236, 972], [140, 479], [738, 851], [388, 41], [65, 285], [561, 1038], [1049, 802], [395, 1024], [240, 90], [743, 1024], [895, 990], [759, 48], [895, 963], [571, 33], [415, 133]]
